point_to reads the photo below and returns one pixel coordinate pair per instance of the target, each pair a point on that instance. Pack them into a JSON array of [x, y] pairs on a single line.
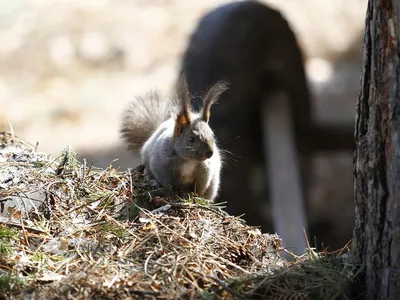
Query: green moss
[[68, 160], [119, 232], [39, 257], [7, 235], [107, 200], [8, 282], [197, 200]]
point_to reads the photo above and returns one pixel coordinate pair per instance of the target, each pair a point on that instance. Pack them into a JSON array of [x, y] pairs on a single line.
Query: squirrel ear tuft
[[211, 97], [182, 91]]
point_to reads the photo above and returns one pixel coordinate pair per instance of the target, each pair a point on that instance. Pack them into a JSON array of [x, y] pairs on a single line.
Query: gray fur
[[181, 149], [142, 116]]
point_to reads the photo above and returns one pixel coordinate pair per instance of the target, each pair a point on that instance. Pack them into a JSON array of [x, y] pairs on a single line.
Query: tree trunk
[[377, 157]]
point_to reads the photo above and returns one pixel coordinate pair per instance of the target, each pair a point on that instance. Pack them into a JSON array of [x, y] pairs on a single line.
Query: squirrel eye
[[191, 139]]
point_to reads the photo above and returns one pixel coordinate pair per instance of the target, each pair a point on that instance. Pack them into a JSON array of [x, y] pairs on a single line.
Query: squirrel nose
[[209, 153]]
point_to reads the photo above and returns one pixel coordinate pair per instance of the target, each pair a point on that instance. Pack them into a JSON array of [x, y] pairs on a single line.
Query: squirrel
[[176, 145]]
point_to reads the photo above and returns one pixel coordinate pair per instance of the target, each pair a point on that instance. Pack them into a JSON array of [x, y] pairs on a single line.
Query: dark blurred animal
[[264, 122]]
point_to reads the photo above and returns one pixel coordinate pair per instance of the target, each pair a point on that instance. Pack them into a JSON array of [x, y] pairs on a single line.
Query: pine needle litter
[[69, 230]]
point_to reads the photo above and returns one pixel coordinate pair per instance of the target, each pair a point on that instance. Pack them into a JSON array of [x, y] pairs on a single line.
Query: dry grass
[[92, 233]]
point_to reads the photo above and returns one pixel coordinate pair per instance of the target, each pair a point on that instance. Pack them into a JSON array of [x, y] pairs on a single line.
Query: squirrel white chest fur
[[187, 170]]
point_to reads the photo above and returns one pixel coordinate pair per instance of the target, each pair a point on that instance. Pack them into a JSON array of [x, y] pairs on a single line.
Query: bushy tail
[[142, 116]]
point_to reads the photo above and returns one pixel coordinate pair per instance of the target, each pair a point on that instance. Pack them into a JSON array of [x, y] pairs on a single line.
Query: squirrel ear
[[184, 117], [211, 97]]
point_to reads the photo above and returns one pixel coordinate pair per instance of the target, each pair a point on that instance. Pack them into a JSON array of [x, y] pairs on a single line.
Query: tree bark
[[377, 156]]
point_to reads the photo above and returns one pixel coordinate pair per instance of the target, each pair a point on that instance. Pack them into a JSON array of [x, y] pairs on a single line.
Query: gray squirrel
[[177, 146]]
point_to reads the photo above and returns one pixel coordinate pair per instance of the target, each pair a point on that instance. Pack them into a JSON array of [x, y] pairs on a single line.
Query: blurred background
[[68, 67]]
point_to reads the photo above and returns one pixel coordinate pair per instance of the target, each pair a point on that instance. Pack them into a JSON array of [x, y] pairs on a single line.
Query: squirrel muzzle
[[206, 153]]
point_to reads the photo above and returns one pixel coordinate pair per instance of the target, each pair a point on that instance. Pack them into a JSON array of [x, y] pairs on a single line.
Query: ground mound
[[69, 230]]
